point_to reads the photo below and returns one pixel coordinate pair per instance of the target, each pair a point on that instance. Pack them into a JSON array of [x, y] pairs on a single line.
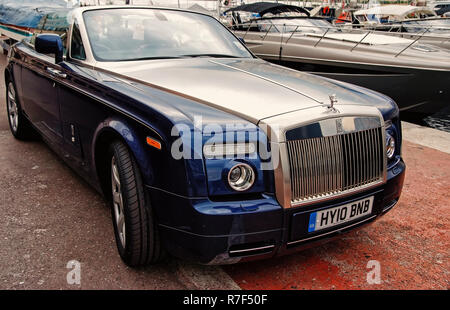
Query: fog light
[[241, 177], [390, 146]]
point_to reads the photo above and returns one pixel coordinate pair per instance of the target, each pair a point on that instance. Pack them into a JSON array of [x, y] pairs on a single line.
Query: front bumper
[[210, 232]]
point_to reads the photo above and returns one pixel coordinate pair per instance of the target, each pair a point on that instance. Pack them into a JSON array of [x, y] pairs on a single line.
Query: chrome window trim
[[69, 43], [78, 17]]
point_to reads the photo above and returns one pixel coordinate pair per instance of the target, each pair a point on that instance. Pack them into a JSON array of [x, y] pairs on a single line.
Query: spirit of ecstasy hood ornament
[[333, 101]]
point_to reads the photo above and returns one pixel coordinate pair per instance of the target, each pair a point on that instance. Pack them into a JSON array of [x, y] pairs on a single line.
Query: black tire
[[18, 124], [141, 245]]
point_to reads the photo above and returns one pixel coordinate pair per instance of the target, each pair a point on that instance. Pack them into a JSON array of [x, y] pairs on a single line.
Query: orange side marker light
[[154, 143]]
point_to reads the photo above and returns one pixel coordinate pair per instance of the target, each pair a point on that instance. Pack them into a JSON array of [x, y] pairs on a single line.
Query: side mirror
[[50, 44]]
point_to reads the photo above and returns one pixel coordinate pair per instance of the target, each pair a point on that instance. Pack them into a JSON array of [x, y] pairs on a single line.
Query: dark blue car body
[[81, 110]]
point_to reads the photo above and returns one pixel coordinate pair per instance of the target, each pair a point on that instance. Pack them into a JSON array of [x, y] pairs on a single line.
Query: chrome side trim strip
[[252, 249]]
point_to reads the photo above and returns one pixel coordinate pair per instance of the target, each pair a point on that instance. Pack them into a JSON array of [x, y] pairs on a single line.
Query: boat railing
[[247, 27], [426, 32], [397, 27], [441, 38]]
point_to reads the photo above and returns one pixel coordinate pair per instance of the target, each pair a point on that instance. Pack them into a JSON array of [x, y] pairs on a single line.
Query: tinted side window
[[76, 47]]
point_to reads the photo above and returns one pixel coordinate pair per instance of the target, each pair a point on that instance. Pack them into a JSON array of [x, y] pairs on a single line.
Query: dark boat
[[415, 75]]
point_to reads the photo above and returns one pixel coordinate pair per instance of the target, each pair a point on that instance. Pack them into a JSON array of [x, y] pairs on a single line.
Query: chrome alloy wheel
[[13, 110], [118, 202]]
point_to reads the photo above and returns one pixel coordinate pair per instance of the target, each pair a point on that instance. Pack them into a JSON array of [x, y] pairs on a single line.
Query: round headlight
[[241, 177], [390, 146]]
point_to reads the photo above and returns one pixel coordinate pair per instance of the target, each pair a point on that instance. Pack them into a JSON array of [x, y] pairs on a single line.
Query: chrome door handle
[[56, 72]]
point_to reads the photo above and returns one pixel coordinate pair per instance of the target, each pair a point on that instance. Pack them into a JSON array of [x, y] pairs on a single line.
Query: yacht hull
[[415, 90]]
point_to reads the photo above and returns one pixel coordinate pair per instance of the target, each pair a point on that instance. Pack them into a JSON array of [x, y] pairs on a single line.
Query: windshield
[[298, 25], [136, 34]]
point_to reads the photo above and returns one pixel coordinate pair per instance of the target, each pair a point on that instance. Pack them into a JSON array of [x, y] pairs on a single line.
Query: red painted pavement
[[411, 242]]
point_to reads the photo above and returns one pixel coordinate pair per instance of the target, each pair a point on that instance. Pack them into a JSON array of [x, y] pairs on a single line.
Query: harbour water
[[439, 120]]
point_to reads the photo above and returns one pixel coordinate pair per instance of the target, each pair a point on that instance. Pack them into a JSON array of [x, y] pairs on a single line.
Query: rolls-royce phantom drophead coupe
[[204, 151]]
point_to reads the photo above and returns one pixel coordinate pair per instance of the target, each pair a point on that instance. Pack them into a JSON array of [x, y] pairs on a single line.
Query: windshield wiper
[[178, 57], [211, 55], [151, 58]]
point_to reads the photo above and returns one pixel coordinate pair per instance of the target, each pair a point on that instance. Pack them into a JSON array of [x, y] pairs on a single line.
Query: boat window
[[266, 26], [440, 25], [361, 18], [301, 25], [384, 19], [139, 34], [76, 48]]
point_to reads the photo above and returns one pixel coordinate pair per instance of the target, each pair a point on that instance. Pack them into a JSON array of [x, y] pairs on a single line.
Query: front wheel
[[135, 229]]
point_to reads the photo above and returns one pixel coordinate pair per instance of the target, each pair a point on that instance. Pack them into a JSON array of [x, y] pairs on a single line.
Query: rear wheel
[[19, 125], [135, 229]]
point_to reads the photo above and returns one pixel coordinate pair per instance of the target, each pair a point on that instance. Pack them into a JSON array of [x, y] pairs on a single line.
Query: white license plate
[[339, 215]]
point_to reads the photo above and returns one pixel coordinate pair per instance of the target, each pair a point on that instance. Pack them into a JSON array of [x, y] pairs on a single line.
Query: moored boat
[[378, 16], [415, 75], [435, 30]]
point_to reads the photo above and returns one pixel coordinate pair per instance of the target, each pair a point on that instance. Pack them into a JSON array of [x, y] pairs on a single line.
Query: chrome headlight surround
[[234, 146], [392, 142], [390, 146], [241, 177]]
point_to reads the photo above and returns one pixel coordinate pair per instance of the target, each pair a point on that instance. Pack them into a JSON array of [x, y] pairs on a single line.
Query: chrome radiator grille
[[333, 165]]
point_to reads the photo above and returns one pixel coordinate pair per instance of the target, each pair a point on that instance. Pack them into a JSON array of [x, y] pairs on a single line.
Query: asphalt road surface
[[49, 216]]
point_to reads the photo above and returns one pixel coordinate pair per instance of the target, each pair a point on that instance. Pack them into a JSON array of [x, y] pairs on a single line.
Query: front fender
[[159, 169], [133, 137], [13, 69]]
